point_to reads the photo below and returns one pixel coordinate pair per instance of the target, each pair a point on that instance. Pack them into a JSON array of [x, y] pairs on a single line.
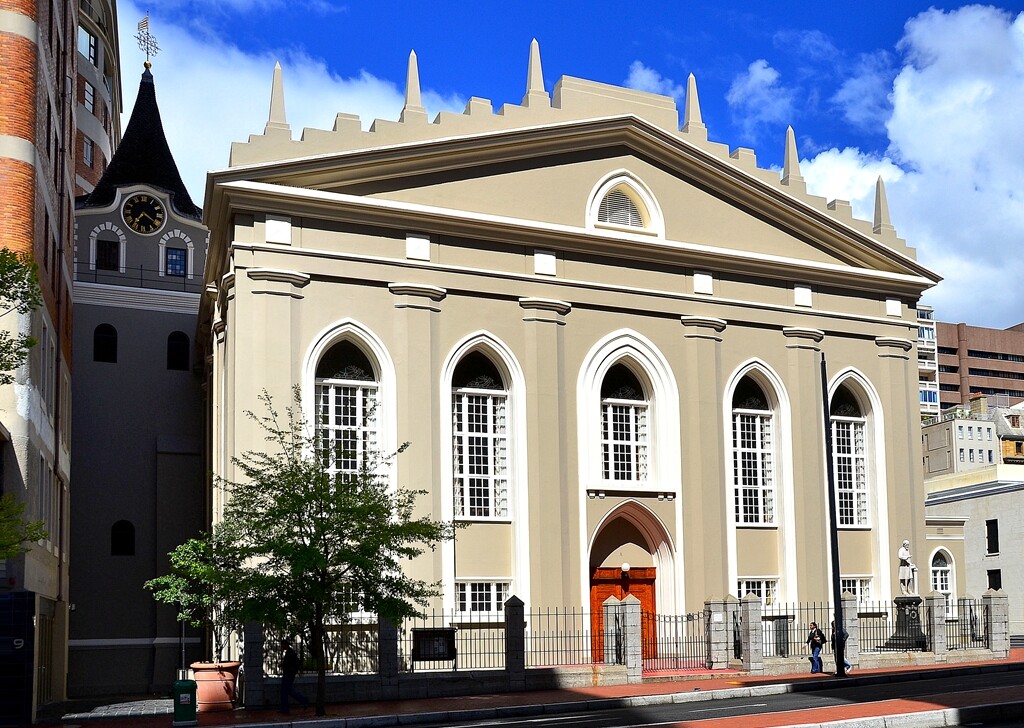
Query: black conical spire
[[143, 157]]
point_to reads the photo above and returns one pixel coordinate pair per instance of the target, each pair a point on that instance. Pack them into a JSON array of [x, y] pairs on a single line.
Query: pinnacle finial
[[692, 121], [277, 121], [882, 223], [535, 93], [413, 109], [791, 161]]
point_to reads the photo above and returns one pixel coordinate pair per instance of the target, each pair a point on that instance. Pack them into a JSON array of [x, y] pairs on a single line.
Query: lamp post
[[833, 530]]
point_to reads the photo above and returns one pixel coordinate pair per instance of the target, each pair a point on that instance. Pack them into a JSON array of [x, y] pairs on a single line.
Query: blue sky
[[926, 96]]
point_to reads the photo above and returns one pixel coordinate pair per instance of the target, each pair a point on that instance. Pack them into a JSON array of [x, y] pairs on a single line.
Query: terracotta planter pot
[[215, 685]]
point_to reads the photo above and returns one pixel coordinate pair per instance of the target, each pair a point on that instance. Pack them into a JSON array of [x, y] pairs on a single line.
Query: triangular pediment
[[547, 174]]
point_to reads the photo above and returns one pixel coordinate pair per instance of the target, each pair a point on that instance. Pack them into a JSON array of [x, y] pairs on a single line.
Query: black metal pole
[[833, 530]]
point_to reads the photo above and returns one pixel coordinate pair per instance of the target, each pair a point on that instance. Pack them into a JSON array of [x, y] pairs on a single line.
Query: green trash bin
[[184, 703]]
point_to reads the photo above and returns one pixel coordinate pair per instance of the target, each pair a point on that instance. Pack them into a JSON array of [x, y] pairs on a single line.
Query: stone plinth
[[909, 636]]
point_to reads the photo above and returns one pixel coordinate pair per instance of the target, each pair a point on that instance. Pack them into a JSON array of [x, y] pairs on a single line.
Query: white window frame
[[496, 437], [87, 152], [639, 194], [469, 592], [763, 485], [89, 99], [360, 400], [121, 239], [764, 588], [941, 579], [862, 587], [633, 441], [859, 487], [168, 240]]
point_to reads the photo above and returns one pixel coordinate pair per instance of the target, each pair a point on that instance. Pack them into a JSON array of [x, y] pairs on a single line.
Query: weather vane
[[146, 41]]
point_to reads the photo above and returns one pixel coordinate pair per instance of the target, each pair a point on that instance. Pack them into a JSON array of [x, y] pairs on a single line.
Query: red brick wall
[[17, 118]]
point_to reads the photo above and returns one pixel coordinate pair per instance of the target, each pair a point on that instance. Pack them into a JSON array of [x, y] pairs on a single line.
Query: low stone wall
[[358, 688]]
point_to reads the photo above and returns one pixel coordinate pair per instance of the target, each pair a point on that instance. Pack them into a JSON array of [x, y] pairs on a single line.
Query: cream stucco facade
[[599, 289]]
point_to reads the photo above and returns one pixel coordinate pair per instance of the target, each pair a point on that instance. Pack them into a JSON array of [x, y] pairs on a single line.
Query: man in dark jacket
[[289, 669]]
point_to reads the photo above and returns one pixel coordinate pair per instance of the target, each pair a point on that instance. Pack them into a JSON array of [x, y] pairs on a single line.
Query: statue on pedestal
[[908, 571]]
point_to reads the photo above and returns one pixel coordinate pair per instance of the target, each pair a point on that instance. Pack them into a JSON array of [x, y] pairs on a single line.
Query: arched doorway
[[627, 556]]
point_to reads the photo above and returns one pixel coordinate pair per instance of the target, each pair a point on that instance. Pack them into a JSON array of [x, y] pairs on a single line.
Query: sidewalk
[[992, 704]]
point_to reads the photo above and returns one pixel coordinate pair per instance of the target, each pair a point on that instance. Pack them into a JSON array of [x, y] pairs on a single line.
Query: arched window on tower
[[753, 454], [178, 351], [480, 438], [850, 458], [625, 435], [346, 409], [104, 344]]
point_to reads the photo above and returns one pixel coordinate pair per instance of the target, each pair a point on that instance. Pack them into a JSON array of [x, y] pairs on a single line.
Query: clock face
[[143, 213]]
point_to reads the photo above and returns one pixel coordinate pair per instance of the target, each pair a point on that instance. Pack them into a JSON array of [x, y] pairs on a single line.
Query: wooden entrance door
[[612, 582]]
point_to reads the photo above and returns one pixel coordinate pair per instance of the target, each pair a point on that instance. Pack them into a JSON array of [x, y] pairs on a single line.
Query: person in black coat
[[289, 669], [815, 641], [844, 636]]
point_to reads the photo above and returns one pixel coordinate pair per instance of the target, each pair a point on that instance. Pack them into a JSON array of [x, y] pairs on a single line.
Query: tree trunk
[[317, 632]]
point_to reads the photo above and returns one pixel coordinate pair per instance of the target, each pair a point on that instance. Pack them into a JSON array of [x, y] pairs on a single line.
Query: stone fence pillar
[[515, 644], [252, 665], [935, 604], [719, 635], [387, 659], [997, 622], [632, 647], [612, 632], [751, 631], [851, 623]]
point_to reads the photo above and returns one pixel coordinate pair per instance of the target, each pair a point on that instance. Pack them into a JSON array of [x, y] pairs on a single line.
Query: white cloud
[[850, 175], [757, 98], [955, 130], [212, 93], [864, 96], [643, 78]]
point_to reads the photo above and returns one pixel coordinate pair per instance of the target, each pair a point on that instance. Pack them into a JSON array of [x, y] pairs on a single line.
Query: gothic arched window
[[480, 435], [346, 408], [625, 436], [753, 454]]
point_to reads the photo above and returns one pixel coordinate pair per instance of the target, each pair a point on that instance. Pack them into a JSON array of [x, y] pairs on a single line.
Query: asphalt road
[[666, 715]]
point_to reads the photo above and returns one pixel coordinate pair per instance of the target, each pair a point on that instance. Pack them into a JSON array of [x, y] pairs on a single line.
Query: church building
[[600, 331]]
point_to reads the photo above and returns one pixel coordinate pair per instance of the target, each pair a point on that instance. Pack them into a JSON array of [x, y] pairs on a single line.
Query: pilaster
[[417, 361], [552, 503], [702, 502], [810, 504]]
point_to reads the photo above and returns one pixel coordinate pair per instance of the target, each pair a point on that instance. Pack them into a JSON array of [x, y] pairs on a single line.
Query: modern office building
[[927, 362], [601, 333], [98, 90], [138, 425], [37, 179], [975, 359]]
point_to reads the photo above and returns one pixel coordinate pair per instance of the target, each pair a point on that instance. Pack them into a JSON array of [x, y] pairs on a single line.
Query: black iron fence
[[478, 639], [966, 624], [564, 637], [892, 627], [785, 628], [673, 642], [140, 277]]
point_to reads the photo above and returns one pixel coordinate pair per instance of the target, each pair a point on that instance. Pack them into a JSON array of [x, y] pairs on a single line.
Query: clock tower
[[137, 425]]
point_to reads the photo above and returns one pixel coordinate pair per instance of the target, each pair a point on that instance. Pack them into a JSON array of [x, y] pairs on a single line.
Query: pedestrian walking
[[815, 641], [289, 669], [843, 635]]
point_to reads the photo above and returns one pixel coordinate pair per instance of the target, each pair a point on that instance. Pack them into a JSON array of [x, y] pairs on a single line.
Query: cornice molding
[[99, 294], [532, 303], [278, 275], [419, 290]]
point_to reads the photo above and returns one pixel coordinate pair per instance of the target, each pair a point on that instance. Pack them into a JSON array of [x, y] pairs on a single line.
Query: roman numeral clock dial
[[143, 213]]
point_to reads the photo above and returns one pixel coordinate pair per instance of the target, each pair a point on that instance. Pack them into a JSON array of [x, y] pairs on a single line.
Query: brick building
[[98, 92], [974, 359], [37, 176]]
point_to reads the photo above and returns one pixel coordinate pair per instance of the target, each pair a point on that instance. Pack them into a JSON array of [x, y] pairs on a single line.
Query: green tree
[[19, 292], [301, 539], [15, 531]]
